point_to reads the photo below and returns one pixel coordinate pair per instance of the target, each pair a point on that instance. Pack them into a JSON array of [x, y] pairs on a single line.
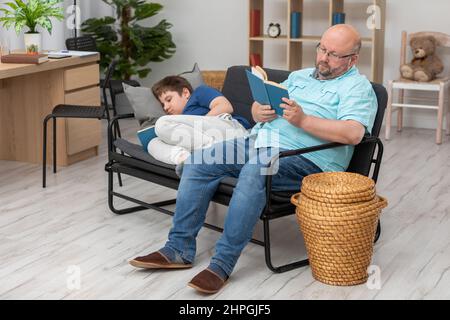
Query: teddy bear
[[425, 64]]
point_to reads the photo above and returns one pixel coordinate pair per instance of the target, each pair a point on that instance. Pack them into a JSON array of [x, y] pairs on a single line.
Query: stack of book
[[24, 58]]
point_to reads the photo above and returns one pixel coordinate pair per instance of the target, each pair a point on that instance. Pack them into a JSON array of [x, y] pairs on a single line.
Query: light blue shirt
[[347, 97]]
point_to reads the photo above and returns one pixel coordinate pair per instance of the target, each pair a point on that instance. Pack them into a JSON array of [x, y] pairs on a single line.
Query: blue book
[[146, 135], [266, 92], [338, 18], [296, 17]]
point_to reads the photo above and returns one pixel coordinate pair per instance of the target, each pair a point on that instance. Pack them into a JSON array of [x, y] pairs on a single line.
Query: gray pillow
[[194, 77], [147, 109]]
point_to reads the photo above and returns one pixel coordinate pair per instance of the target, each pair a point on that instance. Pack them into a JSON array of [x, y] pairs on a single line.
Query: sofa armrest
[[112, 129], [289, 153]]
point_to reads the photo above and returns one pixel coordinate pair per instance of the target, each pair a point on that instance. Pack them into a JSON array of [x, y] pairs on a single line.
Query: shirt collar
[[350, 71]]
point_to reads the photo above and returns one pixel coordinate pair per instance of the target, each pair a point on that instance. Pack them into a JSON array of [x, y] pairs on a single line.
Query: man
[[329, 103]]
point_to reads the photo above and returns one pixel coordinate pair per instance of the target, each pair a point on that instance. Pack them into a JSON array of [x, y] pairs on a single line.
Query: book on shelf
[[255, 23], [338, 18], [255, 59], [24, 58], [266, 92], [146, 135], [296, 23]]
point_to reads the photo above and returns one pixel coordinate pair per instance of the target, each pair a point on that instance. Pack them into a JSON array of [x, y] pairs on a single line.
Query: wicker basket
[[214, 79], [338, 214]]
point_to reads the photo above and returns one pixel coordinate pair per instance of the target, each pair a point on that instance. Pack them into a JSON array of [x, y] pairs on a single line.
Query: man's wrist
[[304, 122]]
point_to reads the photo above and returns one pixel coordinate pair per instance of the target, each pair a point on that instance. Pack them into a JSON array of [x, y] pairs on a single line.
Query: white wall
[[413, 16], [214, 33]]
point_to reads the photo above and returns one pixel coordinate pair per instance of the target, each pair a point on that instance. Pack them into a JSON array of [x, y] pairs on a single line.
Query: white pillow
[[147, 109]]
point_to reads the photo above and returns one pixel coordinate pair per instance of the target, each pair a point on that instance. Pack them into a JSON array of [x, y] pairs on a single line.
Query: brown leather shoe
[[157, 260], [207, 281]]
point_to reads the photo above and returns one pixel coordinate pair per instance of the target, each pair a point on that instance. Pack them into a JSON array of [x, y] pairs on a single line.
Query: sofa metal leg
[[119, 177], [141, 204], [111, 194], [282, 268]]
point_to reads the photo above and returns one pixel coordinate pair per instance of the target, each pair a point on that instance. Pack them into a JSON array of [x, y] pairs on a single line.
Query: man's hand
[[293, 113], [263, 113]]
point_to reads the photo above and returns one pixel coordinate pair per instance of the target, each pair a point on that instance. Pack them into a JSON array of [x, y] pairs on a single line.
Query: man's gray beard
[[329, 74], [326, 75]]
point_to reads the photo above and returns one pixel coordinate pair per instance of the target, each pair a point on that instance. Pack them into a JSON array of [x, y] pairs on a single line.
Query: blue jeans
[[200, 181]]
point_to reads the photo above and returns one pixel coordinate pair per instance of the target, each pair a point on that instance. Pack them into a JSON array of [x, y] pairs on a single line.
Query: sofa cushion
[[137, 152]]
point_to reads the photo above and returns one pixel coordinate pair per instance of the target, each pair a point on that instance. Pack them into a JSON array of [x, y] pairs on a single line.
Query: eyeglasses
[[332, 55]]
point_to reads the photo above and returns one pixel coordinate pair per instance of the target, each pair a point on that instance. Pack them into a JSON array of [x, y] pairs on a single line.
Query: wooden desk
[[29, 92]]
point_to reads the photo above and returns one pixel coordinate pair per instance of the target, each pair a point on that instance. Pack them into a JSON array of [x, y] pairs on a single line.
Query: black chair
[[87, 43], [366, 160], [83, 43], [74, 111]]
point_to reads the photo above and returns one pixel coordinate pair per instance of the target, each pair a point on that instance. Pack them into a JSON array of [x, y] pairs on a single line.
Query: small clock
[[274, 30]]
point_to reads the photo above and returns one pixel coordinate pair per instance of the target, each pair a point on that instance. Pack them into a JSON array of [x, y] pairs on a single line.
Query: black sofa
[[127, 158]]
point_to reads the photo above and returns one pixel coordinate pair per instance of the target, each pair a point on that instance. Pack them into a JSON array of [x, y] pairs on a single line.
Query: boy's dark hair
[[171, 83]]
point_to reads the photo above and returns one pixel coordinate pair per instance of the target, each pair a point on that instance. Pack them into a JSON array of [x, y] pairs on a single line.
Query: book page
[[259, 72], [276, 84]]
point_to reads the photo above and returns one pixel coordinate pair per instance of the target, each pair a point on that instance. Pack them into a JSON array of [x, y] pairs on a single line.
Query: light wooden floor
[[47, 236]]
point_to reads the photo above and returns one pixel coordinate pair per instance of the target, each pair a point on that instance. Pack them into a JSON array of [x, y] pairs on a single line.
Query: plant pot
[[33, 43]]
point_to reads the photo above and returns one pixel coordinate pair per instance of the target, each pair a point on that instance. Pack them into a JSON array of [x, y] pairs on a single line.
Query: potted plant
[[131, 44], [31, 14]]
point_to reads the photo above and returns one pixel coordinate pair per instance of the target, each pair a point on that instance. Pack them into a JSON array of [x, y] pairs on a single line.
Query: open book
[[146, 135], [266, 92]]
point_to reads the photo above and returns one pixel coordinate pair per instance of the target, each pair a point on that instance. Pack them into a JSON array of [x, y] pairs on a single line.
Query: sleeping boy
[[195, 119]]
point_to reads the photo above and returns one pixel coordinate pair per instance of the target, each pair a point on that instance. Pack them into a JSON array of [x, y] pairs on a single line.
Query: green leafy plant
[[31, 14], [131, 44]]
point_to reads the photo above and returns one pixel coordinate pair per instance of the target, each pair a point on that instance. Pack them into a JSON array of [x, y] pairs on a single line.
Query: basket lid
[[337, 184]]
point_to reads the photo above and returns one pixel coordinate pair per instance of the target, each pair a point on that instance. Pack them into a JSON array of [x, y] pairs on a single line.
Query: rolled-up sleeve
[[359, 103]]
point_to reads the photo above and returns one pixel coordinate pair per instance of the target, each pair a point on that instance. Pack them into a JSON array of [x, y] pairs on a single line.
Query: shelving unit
[[294, 56]]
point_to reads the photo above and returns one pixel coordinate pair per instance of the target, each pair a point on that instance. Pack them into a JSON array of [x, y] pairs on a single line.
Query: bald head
[[343, 36], [338, 51]]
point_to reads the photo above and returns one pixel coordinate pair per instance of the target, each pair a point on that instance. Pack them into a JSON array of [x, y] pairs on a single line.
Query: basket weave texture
[[338, 214], [214, 79]]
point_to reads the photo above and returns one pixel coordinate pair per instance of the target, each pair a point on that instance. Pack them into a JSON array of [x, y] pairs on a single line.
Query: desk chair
[[74, 111], [87, 43], [438, 85]]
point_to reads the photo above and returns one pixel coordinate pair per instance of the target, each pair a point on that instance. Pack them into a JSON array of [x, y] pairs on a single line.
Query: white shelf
[[295, 50]]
